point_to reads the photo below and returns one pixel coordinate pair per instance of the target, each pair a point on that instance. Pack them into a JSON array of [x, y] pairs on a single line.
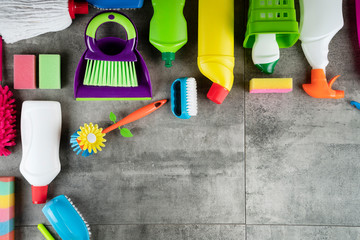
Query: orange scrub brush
[[90, 139], [7, 115]]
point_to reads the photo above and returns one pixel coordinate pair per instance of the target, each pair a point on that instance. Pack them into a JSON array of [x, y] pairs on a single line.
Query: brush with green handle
[[45, 232]]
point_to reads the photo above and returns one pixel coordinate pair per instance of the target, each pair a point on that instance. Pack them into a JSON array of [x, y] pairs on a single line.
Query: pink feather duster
[[7, 120], [7, 115]]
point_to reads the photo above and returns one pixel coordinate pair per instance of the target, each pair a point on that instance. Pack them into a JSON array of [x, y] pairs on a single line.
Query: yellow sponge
[[271, 85]]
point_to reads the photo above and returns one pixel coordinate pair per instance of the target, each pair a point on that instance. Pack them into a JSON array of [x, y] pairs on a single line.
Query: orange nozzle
[[320, 88]]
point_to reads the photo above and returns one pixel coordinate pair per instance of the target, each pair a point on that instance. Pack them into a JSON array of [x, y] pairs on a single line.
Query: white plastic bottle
[[40, 136], [266, 52], [320, 21]]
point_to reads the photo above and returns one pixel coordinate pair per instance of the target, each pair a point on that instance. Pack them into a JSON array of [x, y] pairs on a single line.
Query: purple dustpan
[[112, 49]]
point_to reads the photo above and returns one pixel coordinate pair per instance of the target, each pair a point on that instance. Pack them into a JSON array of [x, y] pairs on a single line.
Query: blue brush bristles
[[75, 145]]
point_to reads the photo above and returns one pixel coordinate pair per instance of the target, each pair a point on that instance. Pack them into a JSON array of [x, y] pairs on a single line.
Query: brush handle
[[45, 232], [140, 113], [95, 53], [114, 17]]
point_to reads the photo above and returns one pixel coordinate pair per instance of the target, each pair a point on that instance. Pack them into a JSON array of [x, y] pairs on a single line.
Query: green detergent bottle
[[168, 28], [271, 25]]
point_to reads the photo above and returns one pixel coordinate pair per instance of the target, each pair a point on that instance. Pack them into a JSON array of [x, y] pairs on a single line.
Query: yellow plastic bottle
[[216, 46]]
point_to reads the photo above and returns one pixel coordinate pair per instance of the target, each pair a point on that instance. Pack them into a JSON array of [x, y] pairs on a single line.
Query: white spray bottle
[[320, 21]]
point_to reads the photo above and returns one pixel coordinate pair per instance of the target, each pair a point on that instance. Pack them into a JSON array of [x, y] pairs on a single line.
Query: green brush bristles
[[111, 74]]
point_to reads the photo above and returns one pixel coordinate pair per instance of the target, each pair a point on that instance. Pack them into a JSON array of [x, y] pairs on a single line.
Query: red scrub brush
[[7, 115]]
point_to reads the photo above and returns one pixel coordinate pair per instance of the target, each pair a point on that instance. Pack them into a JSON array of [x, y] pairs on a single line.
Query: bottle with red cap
[[40, 136], [216, 46]]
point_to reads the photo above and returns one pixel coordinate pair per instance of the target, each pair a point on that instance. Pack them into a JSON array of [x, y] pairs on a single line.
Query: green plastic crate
[[275, 17]]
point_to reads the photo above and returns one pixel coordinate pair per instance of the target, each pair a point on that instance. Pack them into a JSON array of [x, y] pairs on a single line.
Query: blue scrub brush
[[184, 98], [116, 4], [355, 104], [66, 219]]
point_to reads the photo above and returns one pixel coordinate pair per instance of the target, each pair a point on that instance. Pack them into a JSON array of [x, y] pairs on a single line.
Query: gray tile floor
[[256, 167]]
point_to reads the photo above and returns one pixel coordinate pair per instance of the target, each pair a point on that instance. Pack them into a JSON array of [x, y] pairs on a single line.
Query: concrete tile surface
[[171, 171], [151, 232], [265, 166], [267, 232], [302, 153]]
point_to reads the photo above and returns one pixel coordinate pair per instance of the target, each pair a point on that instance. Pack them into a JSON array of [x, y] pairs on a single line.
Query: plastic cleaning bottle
[[320, 21], [40, 136], [271, 25], [168, 28], [216, 46], [266, 52]]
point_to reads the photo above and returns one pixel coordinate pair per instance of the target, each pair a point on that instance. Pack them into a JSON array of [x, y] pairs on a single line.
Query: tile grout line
[[303, 225], [150, 224], [212, 224], [244, 139], [244, 117]]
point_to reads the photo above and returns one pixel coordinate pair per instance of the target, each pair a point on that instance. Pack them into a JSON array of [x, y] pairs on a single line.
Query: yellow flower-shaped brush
[[90, 139]]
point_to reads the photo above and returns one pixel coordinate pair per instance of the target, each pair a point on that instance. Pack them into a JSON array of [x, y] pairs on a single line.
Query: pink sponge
[[7, 120], [24, 72]]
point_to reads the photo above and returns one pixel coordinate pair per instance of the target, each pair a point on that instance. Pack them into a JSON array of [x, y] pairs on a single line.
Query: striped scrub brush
[[7, 115]]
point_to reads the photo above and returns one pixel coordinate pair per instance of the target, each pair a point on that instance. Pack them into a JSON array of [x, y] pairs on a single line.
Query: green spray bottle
[[168, 28]]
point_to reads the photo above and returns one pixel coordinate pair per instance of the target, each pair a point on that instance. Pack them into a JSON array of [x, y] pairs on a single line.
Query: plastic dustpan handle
[[91, 43], [140, 113], [114, 17]]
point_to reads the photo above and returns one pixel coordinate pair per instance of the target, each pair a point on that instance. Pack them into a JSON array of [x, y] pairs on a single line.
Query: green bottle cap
[[168, 57], [267, 67]]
